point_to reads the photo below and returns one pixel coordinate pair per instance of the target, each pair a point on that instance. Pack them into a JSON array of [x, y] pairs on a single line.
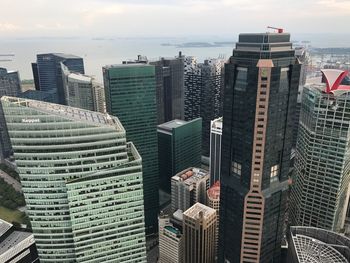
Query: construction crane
[[6, 57], [279, 30]]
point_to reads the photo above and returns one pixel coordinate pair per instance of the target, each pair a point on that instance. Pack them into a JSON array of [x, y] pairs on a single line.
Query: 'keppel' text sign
[[30, 120]]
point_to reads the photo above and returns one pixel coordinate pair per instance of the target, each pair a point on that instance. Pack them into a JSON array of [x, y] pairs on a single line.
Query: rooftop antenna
[[278, 30]]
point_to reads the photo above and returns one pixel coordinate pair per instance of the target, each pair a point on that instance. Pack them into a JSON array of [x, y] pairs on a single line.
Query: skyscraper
[[199, 227], [261, 85], [130, 91], [215, 150], [179, 147], [213, 201], [10, 85], [203, 94], [319, 196], [170, 88], [82, 91], [189, 187], [82, 182], [48, 70], [170, 245]]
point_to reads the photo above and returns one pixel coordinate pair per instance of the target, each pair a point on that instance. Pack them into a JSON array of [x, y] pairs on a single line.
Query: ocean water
[[106, 51]]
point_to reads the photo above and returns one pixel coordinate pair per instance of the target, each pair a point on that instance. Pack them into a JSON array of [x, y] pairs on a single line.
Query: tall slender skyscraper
[[215, 150], [81, 180], [10, 85], [170, 88], [49, 73], [320, 191], [82, 91], [130, 91], [261, 85]]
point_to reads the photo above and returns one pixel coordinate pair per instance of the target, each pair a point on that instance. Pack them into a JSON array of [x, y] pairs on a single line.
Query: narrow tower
[[261, 84]]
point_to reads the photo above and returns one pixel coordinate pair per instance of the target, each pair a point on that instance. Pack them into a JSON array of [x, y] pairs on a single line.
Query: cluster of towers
[[92, 162]]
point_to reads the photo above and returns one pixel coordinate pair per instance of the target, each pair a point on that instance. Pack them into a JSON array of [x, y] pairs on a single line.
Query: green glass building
[[179, 147], [130, 91], [82, 182]]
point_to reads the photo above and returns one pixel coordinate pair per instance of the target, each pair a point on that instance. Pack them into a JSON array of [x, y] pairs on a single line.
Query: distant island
[[200, 44]]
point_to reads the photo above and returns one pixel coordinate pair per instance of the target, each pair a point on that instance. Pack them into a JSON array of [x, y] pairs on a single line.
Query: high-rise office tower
[[203, 94], [82, 91], [130, 91], [179, 147], [261, 85], [10, 85], [199, 227], [82, 182], [215, 150], [319, 195], [213, 201], [49, 73], [189, 187], [170, 88], [170, 245], [304, 57]]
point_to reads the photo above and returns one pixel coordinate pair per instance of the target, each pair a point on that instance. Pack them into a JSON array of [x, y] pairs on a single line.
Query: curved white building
[[81, 180]]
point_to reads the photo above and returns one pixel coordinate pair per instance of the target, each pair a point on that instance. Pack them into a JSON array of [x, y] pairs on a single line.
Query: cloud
[[168, 17], [8, 27]]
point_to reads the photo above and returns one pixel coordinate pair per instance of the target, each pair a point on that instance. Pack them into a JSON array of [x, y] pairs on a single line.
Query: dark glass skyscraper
[[179, 147], [49, 73], [261, 85], [130, 91], [170, 88], [10, 85]]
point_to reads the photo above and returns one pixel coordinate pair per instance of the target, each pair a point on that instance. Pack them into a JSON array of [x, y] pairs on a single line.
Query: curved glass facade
[[82, 182]]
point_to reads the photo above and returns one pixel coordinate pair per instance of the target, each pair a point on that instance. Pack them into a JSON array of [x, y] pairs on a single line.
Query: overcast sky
[[48, 18]]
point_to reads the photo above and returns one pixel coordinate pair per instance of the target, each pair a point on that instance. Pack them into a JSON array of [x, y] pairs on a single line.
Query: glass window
[[274, 173], [241, 80], [237, 169]]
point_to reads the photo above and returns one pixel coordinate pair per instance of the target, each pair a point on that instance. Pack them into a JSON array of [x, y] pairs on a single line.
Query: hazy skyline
[[125, 18]]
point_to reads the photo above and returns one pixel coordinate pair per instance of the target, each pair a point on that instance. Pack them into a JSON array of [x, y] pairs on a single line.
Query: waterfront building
[[48, 74], [82, 91], [10, 85]]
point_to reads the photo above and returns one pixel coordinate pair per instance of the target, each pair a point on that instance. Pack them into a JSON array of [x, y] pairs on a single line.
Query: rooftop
[[168, 126], [15, 238], [173, 230], [127, 65], [62, 55], [190, 175], [199, 210], [214, 191], [315, 245], [4, 226], [71, 113], [80, 77]]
